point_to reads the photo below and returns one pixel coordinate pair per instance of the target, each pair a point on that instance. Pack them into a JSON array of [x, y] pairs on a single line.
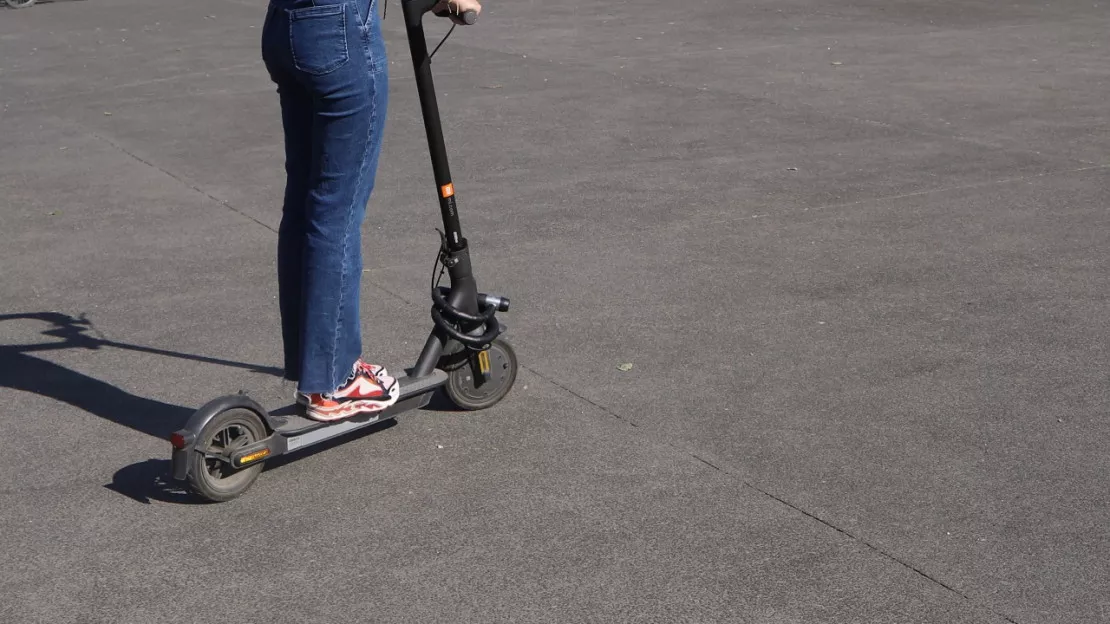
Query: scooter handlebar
[[415, 10], [467, 17]]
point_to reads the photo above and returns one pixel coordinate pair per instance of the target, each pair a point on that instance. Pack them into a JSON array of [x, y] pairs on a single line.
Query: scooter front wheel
[[212, 474], [482, 378], [19, 4]]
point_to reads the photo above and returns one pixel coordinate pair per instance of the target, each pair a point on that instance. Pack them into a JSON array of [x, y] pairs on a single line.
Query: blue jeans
[[328, 60]]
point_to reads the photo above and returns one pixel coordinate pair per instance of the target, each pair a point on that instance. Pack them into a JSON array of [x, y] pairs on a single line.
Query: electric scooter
[[225, 444]]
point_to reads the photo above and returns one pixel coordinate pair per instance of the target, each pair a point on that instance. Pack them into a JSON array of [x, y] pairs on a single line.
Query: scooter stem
[[425, 87]]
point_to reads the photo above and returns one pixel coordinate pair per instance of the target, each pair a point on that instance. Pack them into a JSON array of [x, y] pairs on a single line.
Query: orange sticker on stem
[[447, 190]]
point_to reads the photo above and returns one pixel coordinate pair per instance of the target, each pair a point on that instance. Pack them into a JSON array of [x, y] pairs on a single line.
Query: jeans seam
[[346, 44], [292, 50], [364, 20], [367, 37]]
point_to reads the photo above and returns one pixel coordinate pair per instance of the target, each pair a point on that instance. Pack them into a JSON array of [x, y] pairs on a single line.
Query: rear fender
[[190, 433]]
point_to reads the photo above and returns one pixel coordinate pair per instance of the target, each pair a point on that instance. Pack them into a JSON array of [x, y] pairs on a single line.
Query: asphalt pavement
[[856, 253]]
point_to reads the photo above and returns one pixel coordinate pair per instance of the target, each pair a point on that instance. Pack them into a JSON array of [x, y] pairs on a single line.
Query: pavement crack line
[[182, 180], [708, 463], [136, 83], [564, 388], [872, 547], [367, 280], [782, 501], [222, 203]]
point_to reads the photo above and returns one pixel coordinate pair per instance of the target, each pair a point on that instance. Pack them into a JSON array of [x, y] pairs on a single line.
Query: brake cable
[[385, 11]]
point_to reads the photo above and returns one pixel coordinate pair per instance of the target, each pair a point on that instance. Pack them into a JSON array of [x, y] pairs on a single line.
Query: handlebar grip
[[467, 17]]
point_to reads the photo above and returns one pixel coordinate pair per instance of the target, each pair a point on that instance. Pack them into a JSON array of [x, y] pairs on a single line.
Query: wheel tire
[[216, 479], [461, 387], [19, 4]]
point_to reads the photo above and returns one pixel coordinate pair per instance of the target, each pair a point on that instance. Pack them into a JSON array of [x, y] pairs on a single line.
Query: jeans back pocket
[[318, 38]]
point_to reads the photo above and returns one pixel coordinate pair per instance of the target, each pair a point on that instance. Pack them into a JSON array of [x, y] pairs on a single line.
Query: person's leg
[[338, 53], [296, 115], [297, 121]]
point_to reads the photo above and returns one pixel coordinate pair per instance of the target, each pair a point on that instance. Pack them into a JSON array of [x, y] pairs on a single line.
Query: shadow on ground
[[21, 371], [144, 481], [24, 5], [148, 480]]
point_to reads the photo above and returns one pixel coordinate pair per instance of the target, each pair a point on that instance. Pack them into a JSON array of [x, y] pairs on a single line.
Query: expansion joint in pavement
[[182, 180], [783, 501]]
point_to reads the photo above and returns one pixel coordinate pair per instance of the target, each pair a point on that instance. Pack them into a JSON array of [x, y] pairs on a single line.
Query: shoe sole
[[347, 410], [353, 408]]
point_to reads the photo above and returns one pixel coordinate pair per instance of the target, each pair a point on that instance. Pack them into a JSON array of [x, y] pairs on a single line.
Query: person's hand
[[455, 8]]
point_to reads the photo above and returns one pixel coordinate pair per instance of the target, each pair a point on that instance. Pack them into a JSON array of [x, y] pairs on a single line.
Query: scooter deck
[[290, 423]]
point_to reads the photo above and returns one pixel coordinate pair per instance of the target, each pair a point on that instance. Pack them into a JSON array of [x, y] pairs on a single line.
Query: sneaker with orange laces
[[369, 389]]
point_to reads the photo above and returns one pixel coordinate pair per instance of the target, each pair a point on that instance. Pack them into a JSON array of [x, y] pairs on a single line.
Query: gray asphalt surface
[[855, 251]]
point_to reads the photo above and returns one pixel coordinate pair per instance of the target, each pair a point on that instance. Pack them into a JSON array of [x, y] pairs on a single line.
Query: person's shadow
[[27, 5], [20, 370]]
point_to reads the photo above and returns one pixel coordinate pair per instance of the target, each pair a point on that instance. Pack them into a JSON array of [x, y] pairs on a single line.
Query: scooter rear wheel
[[211, 472], [465, 384], [19, 4]]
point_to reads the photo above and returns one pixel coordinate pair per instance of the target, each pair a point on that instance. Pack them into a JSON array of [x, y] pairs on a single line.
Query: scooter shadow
[[4, 5], [148, 480], [22, 371]]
